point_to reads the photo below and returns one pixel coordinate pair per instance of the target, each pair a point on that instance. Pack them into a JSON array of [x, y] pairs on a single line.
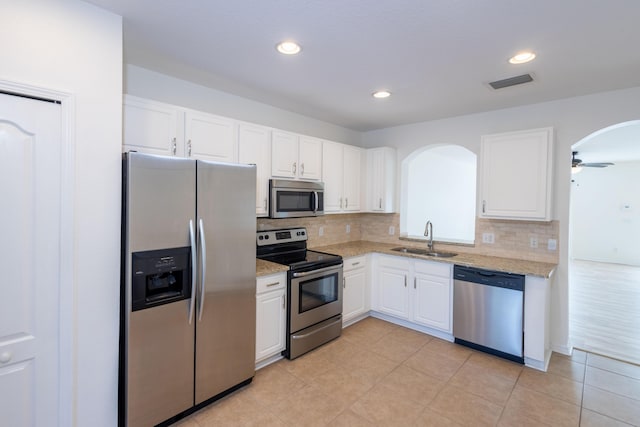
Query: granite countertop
[[264, 268], [508, 265]]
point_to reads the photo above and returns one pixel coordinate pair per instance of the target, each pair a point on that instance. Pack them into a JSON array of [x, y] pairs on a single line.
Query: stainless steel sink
[[426, 252]]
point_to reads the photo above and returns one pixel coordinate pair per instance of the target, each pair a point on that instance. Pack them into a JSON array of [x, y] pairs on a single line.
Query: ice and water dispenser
[[160, 277]]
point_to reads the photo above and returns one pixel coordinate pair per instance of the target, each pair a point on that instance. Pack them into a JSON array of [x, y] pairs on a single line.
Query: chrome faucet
[[428, 233]]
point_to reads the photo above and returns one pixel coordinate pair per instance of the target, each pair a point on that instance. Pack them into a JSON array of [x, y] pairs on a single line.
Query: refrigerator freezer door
[[225, 329], [160, 201], [159, 205]]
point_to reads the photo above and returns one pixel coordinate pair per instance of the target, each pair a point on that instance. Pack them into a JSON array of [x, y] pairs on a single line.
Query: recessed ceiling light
[[522, 58], [381, 94], [288, 48]]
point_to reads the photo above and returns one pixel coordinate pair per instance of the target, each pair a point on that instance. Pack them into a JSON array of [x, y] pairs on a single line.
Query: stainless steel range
[[314, 290]]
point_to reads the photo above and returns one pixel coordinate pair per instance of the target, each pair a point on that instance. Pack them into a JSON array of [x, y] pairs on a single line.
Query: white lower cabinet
[[271, 310], [537, 294], [414, 290], [392, 286], [433, 295], [355, 295]]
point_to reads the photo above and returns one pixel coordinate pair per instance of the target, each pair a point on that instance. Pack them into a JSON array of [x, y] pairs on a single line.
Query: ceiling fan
[[577, 163]]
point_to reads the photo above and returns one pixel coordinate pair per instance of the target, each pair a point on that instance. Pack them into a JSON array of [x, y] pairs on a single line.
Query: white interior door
[[30, 185]]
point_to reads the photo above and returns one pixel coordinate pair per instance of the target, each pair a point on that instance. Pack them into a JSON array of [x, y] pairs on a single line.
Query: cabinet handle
[[283, 302], [294, 168], [484, 204], [273, 284], [346, 202], [414, 283], [302, 169], [174, 146], [380, 203], [189, 148], [355, 263], [340, 202], [405, 281], [344, 283]]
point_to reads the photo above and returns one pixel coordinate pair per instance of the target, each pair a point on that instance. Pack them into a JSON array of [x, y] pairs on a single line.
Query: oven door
[[314, 296]]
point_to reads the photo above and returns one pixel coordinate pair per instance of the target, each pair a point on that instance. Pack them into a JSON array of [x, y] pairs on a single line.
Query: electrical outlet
[[348, 228], [533, 242], [392, 230], [552, 244], [488, 238], [321, 231]]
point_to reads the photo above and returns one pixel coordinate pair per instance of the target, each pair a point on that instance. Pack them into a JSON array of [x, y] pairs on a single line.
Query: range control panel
[[274, 237]]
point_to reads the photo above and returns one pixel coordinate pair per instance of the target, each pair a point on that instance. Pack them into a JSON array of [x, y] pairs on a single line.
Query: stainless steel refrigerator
[[187, 332]]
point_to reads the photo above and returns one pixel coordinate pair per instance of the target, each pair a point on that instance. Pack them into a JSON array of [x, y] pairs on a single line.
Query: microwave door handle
[[317, 204]]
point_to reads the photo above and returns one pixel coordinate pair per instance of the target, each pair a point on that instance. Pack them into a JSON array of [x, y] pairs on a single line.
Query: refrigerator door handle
[[203, 267], [194, 266]]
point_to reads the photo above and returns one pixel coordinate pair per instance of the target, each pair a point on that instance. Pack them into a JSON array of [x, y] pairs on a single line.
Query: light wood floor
[[604, 313], [380, 374]]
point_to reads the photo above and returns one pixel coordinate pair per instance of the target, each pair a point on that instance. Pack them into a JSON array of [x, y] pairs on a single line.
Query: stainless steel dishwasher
[[488, 308]]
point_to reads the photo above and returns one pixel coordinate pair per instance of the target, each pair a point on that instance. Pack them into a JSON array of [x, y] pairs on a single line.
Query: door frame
[[67, 312]]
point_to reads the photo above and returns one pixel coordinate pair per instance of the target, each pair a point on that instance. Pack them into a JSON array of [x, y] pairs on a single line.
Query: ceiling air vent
[[511, 81]]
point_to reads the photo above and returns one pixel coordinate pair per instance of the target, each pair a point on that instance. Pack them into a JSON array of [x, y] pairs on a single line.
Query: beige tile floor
[[380, 374]]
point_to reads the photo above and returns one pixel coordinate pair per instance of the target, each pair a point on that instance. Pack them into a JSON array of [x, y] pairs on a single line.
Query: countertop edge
[[507, 265]]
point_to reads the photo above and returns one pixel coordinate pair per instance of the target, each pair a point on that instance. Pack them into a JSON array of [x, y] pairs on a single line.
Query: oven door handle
[[320, 270]]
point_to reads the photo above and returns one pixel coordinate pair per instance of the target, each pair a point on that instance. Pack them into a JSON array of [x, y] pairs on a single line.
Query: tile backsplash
[[512, 239]]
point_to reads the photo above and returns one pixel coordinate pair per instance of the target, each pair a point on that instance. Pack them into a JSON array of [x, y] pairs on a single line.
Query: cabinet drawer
[[433, 268], [355, 262], [394, 262], [270, 283]]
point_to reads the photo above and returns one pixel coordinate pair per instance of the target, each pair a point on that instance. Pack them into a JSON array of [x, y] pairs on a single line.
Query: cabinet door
[[254, 147], [310, 158], [352, 164], [284, 154], [393, 295], [380, 181], [332, 160], [270, 323], [516, 175], [432, 301], [209, 137], [151, 127], [353, 293]]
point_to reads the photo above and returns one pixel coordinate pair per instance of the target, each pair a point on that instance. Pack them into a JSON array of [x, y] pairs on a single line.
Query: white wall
[[161, 87], [73, 47], [605, 214], [572, 119]]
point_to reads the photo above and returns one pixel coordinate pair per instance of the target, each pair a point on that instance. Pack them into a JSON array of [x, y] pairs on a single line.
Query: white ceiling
[[436, 56]]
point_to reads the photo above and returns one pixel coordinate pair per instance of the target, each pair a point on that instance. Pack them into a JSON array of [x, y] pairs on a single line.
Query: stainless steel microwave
[[293, 199]]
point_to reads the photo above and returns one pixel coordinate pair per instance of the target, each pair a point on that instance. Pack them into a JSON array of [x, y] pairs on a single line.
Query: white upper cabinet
[[351, 186], [381, 179], [515, 175], [210, 137], [295, 156], [152, 127], [254, 147], [341, 169], [310, 158], [157, 128], [284, 154]]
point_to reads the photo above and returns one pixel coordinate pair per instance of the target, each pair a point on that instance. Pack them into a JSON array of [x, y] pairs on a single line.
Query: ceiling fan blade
[[596, 165]]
